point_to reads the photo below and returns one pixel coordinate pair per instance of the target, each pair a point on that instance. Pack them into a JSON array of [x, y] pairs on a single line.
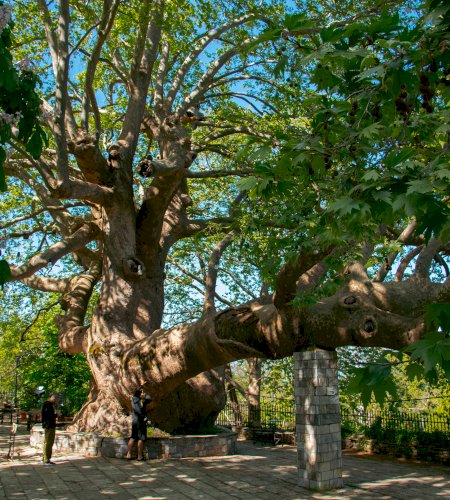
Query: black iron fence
[[279, 414], [396, 420], [272, 414]]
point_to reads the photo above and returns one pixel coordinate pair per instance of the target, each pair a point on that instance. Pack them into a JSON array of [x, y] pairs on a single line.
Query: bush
[[431, 446]]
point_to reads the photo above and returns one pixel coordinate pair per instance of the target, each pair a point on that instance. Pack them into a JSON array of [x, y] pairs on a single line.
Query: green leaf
[[438, 316], [446, 367], [442, 173], [5, 272], [373, 379], [371, 175], [324, 78], [332, 34], [414, 371], [36, 142], [371, 131], [3, 186], [260, 153], [293, 22], [419, 186], [377, 71], [382, 196], [280, 67], [429, 351], [345, 205], [247, 184]]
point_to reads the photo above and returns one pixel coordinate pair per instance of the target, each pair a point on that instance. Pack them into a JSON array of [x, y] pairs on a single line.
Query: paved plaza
[[256, 472]]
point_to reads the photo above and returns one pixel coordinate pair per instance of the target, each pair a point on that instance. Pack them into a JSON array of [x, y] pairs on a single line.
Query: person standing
[[138, 423], [49, 426]]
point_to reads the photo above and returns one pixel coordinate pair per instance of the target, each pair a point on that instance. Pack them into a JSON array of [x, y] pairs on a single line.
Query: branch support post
[[318, 419]]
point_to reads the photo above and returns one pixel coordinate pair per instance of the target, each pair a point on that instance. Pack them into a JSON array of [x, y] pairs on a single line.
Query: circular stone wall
[[87, 443]]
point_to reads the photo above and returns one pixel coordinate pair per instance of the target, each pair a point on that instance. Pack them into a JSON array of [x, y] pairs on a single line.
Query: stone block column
[[318, 419]]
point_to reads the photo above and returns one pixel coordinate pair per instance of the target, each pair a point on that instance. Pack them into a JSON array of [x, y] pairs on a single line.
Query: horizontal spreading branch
[[34, 214], [46, 284], [361, 313], [234, 131], [77, 240], [75, 188]]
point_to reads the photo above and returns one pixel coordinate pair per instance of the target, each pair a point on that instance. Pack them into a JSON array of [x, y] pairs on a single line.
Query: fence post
[[318, 419]]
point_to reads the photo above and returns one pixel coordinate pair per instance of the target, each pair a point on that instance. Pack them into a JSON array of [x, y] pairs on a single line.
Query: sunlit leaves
[[421, 361], [434, 349], [19, 104], [373, 102], [29, 351], [374, 379]]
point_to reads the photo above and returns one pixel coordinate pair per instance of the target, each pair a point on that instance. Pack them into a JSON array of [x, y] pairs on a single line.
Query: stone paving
[[257, 472]]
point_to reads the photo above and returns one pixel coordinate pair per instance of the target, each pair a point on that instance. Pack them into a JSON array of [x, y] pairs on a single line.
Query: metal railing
[[279, 414], [273, 413], [397, 420]]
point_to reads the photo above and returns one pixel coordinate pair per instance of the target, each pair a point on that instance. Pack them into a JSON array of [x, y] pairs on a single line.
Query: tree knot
[[133, 268], [145, 167]]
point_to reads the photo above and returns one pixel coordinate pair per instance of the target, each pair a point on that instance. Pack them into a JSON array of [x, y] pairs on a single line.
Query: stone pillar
[[318, 419]]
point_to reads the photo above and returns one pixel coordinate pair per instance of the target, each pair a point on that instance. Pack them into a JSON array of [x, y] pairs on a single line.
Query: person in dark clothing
[[49, 426], [139, 420]]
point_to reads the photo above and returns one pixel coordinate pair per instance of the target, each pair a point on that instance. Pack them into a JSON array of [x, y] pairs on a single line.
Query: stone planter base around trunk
[[92, 444]]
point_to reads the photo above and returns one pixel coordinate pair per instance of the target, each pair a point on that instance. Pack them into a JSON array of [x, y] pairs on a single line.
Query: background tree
[[311, 145], [30, 357]]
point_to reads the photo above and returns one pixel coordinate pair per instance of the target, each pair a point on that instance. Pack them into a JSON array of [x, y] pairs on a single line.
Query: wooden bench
[[262, 435]]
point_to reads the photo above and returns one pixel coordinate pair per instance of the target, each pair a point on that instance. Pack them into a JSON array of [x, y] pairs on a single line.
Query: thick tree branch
[[34, 214], [90, 160], [158, 95], [71, 328], [145, 53], [213, 267], [286, 286], [46, 284], [193, 56], [406, 261], [425, 259], [89, 100], [75, 188], [406, 234], [77, 240], [312, 277], [442, 263], [62, 77]]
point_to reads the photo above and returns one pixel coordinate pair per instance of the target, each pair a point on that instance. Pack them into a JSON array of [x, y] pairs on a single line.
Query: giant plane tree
[[308, 141]]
